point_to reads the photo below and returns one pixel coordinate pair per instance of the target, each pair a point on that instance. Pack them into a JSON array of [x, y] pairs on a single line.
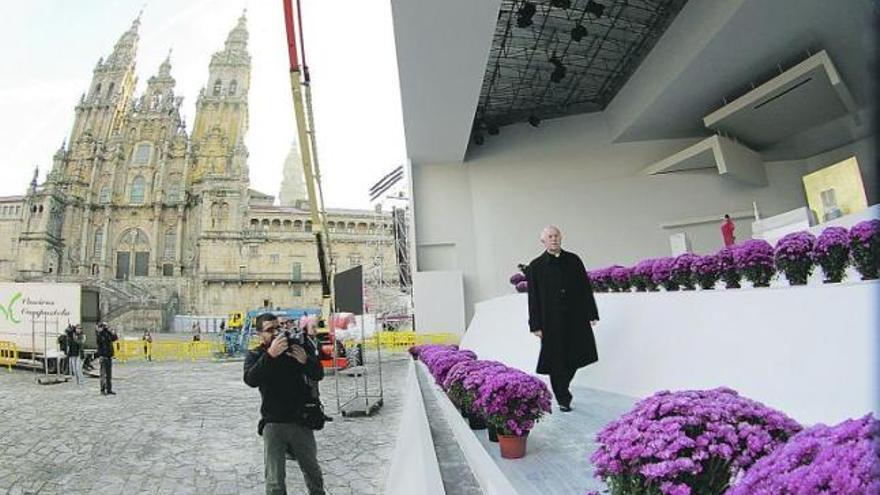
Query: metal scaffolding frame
[[517, 83]]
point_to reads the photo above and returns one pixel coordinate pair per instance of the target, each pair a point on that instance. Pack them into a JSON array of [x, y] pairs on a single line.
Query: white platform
[[809, 351]]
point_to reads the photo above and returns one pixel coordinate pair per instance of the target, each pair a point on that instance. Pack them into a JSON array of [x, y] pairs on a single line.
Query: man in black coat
[[286, 375], [562, 311], [105, 338]]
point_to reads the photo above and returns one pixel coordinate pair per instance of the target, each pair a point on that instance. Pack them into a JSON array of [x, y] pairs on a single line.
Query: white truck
[[33, 315]]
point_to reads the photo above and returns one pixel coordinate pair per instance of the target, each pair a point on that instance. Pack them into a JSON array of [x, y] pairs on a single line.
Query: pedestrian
[[284, 372], [106, 337], [727, 227], [562, 312], [75, 342], [148, 345]]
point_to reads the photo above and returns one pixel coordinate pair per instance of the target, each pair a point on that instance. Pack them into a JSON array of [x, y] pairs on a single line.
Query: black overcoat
[[561, 305]]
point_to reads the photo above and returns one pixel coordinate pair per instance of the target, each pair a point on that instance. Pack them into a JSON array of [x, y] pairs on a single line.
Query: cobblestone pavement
[[176, 428]]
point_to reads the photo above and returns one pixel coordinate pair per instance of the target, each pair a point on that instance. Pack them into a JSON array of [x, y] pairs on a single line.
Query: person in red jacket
[[727, 227]]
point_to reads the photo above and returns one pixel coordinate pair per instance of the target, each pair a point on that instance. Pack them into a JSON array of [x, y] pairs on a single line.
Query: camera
[[294, 337]]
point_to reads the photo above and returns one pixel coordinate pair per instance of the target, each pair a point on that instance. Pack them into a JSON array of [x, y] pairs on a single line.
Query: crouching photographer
[[286, 370]]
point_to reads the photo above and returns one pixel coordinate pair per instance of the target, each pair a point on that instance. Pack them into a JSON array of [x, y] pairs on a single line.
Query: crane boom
[[299, 88]]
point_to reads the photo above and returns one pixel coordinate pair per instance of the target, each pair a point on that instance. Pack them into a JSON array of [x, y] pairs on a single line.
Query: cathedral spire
[[126, 48]]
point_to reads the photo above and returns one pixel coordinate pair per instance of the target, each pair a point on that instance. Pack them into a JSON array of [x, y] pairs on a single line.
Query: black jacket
[[561, 305], [75, 343], [105, 343], [283, 382]]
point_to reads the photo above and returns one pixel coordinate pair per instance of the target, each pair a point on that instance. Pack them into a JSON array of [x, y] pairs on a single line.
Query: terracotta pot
[[493, 434], [512, 447]]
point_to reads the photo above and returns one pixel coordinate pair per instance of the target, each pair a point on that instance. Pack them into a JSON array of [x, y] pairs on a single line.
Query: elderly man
[[562, 311]]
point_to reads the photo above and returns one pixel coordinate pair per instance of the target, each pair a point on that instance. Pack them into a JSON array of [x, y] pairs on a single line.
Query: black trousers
[[560, 382], [106, 375]]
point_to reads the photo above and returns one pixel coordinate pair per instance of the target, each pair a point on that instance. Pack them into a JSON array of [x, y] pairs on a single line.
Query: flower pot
[[493, 434], [476, 422], [512, 447]]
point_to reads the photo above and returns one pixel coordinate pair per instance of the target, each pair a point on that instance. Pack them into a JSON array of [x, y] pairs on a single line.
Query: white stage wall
[[438, 301], [809, 351]]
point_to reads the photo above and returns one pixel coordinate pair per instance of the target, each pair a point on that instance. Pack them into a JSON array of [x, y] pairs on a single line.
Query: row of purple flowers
[[796, 255], [717, 442], [508, 399]]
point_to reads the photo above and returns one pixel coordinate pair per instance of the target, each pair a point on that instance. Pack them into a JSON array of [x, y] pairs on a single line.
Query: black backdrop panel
[[349, 287]]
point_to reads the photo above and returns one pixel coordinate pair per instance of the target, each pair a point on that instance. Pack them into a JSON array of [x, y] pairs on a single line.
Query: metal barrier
[[8, 354], [401, 341], [167, 350]]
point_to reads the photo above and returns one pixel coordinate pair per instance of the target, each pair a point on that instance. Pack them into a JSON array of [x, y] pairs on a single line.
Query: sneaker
[[565, 408]]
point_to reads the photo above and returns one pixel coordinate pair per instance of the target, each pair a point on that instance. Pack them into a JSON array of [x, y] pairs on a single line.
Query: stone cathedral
[[163, 221]]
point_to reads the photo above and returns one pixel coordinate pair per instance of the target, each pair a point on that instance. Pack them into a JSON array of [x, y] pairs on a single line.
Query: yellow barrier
[[8, 354], [167, 350], [402, 341]]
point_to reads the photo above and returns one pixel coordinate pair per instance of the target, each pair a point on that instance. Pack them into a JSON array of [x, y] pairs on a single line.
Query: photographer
[[75, 342], [106, 337], [284, 367]]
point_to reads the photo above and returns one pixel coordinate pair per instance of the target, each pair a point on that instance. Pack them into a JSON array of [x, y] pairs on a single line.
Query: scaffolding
[[388, 282]]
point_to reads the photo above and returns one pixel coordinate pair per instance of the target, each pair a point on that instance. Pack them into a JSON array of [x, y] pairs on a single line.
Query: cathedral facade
[[163, 221]]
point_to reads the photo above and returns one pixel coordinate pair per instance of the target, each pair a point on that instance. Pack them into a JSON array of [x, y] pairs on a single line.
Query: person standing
[[284, 373], [562, 312], [148, 345], [106, 338], [75, 343], [727, 227]]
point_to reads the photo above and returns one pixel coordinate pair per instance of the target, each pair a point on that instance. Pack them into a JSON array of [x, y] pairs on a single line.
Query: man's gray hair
[[549, 228]]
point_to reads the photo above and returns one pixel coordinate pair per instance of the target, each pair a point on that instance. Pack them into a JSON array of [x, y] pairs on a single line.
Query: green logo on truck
[[8, 311]]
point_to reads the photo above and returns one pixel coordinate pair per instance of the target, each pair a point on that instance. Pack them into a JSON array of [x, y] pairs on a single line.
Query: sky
[[53, 46]]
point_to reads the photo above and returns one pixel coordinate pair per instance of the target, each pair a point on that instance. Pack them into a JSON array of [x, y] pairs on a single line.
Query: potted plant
[[865, 247], [471, 384], [662, 273], [600, 279], [463, 398], [620, 278], [727, 267], [642, 276], [705, 271], [794, 256], [693, 441], [512, 402], [820, 459], [831, 252], [682, 273], [754, 259]]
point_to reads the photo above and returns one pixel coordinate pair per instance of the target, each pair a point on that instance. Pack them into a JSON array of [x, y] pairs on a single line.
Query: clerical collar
[[555, 255]]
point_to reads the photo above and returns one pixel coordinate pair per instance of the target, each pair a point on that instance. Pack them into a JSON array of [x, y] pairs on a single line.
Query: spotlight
[[479, 139], [524, 14], [594, 8], [578, 32], [492, 129], [534, 121], [560, 4], [559, 70]]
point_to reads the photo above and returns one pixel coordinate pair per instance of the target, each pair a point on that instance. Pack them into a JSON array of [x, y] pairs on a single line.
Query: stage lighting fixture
[[479, 139], [559, 70], [578, 32], [492, 129], [534, 121], [560, 4], [595, 8], [524, 14]]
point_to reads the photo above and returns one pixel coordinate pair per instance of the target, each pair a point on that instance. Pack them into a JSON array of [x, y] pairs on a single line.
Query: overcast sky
[[51, 47]]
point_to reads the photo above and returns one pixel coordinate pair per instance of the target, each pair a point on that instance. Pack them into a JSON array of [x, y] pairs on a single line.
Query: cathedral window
[[218, 87], [276, 225], [288, 225], [142, 154], [350, 228], [297, 225], [308, 226], [296, 273], [99, 242], [170, 242], [173, 193], [97, 90], [104, 196], [233, 87], [110, 90], [137, 190]]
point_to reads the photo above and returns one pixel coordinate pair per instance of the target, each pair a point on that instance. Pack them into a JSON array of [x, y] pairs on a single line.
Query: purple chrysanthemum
[[794, 256], [831, 252], [754, 259]]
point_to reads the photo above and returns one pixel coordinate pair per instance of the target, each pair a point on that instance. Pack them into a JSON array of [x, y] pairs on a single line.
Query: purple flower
[[600, 279], [794, 256], [522, 287], [511, 400], [439, 363], [706, 270], [642, 276], [620, 278], [662, 273], [729, 272], [695, 440], [865, 247], [517, 278], [831, 252], [754, 259], [838, 459], [682, 270]]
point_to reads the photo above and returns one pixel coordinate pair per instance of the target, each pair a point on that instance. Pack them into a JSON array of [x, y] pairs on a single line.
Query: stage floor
[[559, 448]]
